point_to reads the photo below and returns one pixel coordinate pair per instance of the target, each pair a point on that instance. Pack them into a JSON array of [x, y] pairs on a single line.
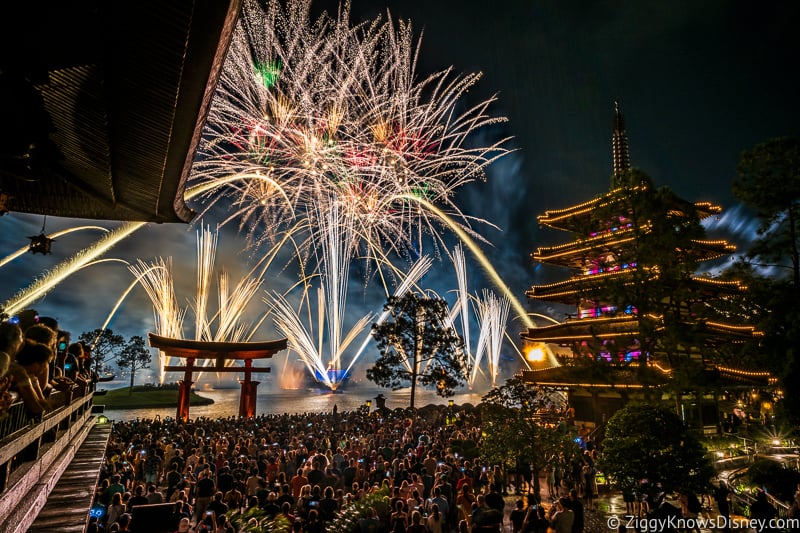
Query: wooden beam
[[215, 369]]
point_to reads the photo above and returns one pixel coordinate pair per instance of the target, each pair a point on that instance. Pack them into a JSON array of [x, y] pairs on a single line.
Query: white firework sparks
[[328, 112]]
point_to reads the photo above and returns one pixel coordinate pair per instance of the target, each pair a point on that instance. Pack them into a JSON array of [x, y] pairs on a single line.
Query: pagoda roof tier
[[576, 330], [569, 291], [577, 216], [576, 254], [602, 376], [573, 253]]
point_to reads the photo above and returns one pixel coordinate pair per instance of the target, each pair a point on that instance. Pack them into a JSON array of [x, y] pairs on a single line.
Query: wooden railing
[[22, 436]]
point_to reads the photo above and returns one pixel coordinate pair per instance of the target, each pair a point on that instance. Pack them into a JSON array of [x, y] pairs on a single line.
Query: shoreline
[[144, 397]]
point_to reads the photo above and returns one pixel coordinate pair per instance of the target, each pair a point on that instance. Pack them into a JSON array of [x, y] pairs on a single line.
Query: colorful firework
[[334, 116]]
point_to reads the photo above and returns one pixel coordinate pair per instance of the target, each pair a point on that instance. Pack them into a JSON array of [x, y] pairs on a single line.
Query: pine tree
[[418, 346]]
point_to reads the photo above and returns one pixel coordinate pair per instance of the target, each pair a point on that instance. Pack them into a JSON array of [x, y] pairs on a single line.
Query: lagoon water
[[272, 401]]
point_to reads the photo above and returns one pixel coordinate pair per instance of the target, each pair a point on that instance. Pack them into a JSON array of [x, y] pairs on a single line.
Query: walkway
[[67, 507]]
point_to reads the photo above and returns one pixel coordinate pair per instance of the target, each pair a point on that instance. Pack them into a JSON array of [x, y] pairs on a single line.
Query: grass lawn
[[146, 397]]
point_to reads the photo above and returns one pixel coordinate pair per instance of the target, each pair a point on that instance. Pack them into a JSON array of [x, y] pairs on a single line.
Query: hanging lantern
[[40, 244]]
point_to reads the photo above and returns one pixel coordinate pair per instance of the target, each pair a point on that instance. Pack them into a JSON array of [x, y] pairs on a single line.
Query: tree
[[103, 343], [513, 435], [649, 442], [662, 256], [417, 346], [134, 355], [768, 181]]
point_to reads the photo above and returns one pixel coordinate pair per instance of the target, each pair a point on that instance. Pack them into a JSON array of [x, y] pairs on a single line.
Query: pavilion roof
[[596, 376], [575, 330], [104, 104]]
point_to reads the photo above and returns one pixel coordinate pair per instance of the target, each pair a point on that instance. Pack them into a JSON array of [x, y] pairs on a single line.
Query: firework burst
[[328, 114]]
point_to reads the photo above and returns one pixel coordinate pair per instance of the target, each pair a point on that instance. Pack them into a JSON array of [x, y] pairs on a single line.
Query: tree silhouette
[[134, 355], [768, 181], [418, 346], [647, 442], [513, 433], [104, 344]]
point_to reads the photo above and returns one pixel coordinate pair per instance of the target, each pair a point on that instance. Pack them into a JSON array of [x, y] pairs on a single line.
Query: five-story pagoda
[[645, 321]]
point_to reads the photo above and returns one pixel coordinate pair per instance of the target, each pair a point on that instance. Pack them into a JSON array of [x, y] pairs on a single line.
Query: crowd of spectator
[[304, 468], [36, 361]]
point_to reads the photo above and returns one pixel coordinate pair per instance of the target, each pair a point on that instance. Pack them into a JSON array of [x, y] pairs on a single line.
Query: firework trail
[[50, 279], [460, 265], [54, 235], [408, 281], [492, 313], [206, 253], [158, 283], [333, 267]]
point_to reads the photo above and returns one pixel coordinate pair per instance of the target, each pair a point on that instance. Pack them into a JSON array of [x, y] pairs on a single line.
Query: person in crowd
[[233, 499], [722, 496], [73, 368], [435, 522], [313, 524], [416, 525], [32, 359], [154, 495], [562, 517], [398, 521], [762, 511], [14, 378], [185, 526], [138, 498], [576, 505], [217, 504], [205, 491], [464, 503], [328, 504], [40, 334], [115, 510], [208, 523], [152, 465], [517, 516], [180, 511]]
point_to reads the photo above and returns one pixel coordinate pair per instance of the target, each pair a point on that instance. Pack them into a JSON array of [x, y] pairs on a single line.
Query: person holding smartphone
[[208, 524]]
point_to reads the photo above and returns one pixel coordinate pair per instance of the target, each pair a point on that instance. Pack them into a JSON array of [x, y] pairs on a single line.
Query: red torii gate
[[219, 352]]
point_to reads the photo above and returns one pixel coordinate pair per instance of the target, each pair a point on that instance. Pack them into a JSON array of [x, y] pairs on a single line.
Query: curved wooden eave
[[216, 350]]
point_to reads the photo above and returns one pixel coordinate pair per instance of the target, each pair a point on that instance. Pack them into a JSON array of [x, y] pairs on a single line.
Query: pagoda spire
[[619, 144]]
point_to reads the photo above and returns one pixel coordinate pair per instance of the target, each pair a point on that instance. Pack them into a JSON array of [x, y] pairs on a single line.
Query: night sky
[[698, 83]]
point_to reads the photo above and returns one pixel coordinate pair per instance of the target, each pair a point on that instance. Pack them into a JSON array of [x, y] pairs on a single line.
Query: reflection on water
[[226, 402]]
